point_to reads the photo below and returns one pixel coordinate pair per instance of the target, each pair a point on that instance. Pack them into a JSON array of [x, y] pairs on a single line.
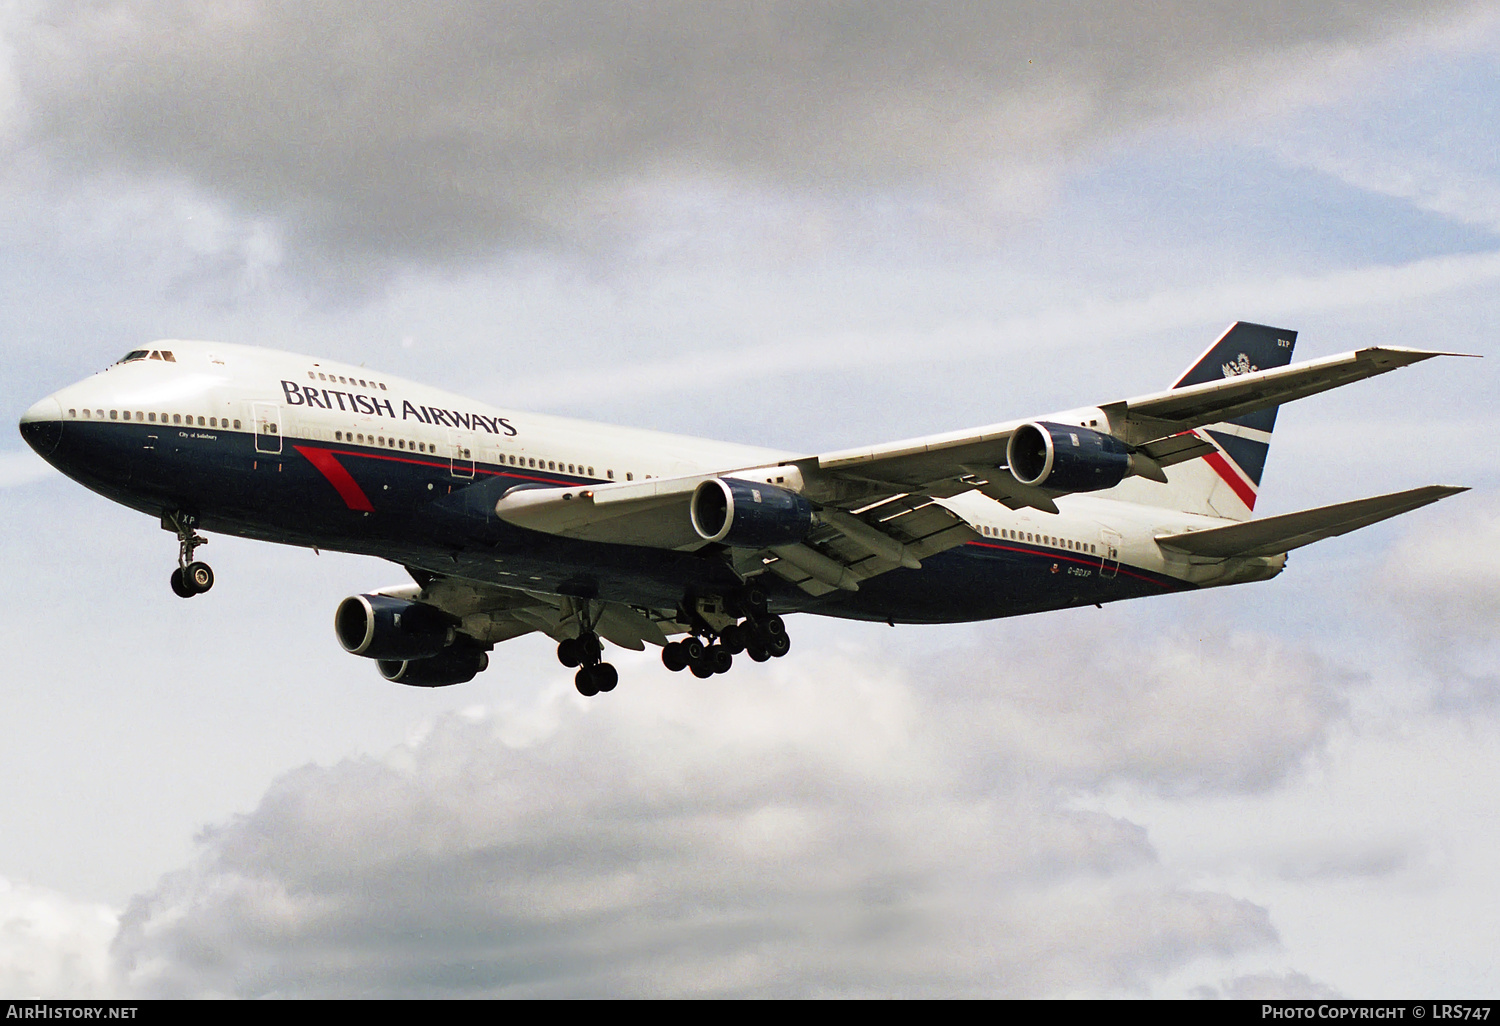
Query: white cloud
[[1090, 326], [1462, 196], [1375, 865], [52, 946], [828, 826]]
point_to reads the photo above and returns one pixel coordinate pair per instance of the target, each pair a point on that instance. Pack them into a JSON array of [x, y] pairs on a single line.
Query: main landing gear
[[585, 652], [761, 635], [191, 577], [715, 637]]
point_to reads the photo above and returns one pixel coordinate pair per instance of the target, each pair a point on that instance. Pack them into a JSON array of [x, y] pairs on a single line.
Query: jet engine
[[457, 664], [749, 514], [382, 627], [1067, 458]]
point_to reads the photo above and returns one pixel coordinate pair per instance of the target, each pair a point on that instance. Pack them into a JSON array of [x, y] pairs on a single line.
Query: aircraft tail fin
[[1275, 535], [1225, 482]]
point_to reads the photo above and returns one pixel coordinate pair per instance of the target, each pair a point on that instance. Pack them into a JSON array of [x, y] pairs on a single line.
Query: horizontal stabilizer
[[1275, 535]]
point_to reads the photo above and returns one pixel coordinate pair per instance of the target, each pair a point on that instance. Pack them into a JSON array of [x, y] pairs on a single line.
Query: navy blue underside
[[424, 516]]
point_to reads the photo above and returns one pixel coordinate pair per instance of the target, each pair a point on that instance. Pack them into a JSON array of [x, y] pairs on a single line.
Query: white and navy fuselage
[[285, 448]]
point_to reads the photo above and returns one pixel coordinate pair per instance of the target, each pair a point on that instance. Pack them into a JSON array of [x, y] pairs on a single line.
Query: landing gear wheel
[[778, 645], [179, 585], [720, 659], [589, 648], [757, 650], [199, 577], [734, 638], [591, 680], [700, 658], [606, 677], [673, 656], [190, 578], [568, 652]]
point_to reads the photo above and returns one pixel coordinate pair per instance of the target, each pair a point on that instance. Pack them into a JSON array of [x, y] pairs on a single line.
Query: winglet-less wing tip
[[1429, 352]]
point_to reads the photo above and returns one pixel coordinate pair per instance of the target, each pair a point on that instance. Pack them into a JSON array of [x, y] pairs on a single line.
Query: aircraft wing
[[937, 462], [880, 507], [1274, 535]]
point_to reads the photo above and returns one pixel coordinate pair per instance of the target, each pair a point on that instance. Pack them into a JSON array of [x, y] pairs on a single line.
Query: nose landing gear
[[191, 577]]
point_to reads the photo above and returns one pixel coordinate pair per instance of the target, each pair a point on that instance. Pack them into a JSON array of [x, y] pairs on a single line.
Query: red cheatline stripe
[[1240, 485], [328, 465]]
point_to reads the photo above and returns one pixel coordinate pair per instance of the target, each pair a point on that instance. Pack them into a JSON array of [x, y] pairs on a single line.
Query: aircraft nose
[[42, 426]]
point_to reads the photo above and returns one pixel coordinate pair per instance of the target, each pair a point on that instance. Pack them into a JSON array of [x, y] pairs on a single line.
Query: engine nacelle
[[455, 665], [749, 514], [382, 627], [1067, 458]]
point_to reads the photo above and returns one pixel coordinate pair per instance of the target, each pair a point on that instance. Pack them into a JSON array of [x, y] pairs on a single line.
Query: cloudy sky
[[806, 225]]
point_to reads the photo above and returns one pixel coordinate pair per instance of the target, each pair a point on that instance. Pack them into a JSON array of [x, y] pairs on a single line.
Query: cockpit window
[[134, 354]]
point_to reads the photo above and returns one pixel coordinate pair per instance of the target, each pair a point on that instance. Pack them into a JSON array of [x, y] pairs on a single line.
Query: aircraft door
[[460, 454], [267, 419], [1109, 559]]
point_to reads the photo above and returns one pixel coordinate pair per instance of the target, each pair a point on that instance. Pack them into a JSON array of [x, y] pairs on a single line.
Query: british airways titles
[[374, 406]]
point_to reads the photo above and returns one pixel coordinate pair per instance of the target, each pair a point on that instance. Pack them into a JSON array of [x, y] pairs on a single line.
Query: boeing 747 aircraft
[[511, 522]]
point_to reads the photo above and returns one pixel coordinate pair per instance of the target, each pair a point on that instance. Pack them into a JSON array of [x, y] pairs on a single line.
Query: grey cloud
[[1442, 582], [1444, 576], [1277, 986], [812, 833], [1342, 864], [1225, 712], [446, 130]]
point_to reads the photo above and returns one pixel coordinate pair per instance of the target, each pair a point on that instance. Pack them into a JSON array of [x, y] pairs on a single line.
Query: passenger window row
[[339, 379], [562, 468], [187, 420], [1038, 539], [152, 417], [389, 443]]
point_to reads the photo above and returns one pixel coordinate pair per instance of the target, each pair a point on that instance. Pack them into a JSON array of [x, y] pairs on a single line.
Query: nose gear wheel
[[191, 577]]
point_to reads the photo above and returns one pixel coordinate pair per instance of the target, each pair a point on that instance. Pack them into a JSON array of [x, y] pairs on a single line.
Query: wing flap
[[1178, 448], [852, 546], [1275, 535]]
